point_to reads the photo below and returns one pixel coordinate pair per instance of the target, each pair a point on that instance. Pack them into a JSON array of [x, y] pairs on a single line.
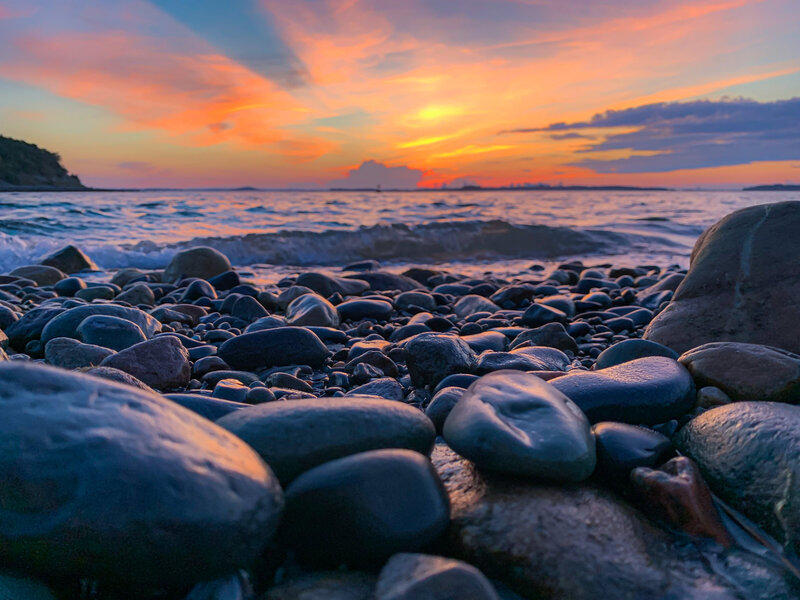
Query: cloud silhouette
[[371, 174], [690, 135]]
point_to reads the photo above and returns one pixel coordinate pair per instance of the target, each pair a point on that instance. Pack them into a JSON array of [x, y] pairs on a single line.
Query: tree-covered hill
[[26, 166]]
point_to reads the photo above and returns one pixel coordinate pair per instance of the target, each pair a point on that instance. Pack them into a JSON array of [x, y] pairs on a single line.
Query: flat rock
[[424, 577], [200, 261], [555, 542], [643, 391], [41, 274], [383, 281], [70, 260], [355, 310], [741, 285], [114, 484], [162, 363], [72, 354], [433, 356], [383, 387], [746, 371], [748, 454], [293, 437], [66, 324], [311, 309], [274, 348], [361, 509], [513, 422]]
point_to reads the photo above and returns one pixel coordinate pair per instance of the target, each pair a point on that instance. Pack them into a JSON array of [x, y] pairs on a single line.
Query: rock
[[471, 304], [497, 361], [628, 350], [69, 287], [327, 585], [14, 587], [739, 284], [124, 276], [162, 363], [361, 509], [552, 335], [622, 447], [433, 356], [123, 486], [30, 326], [293, 437], [292, 293], [513, 422], [383, 281], [711, 397], [66, 324], [110, 332], [71, 354], [200, 288], [327, 286], [137, 294], [419, 299], [274, 348], [210, 408], [582, 543], [118, 376], [230, 389], [643, 391], [540, 314], [311, 309], [487, 340], [200, 261], [96, 292], [41, 274], [248, 309], [747, 452], [552, 359], [746, 372], [678, 495], [70, 260], [441, 404], [270, 322], [425, 577], [384, 387], [356, 310]]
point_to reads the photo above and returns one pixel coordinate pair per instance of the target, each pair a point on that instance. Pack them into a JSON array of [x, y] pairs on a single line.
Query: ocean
[[273, 232]]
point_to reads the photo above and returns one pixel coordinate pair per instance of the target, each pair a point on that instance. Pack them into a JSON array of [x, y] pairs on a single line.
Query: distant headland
[[26, 167], [540, 187], [776, 187]]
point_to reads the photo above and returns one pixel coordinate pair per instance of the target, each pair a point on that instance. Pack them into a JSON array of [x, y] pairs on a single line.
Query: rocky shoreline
[[582, 432]]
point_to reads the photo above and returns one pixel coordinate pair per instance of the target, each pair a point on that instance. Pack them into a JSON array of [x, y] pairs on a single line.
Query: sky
[[418, 93]]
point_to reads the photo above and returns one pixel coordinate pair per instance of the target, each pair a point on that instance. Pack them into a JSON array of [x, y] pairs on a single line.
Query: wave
[[428, 243]]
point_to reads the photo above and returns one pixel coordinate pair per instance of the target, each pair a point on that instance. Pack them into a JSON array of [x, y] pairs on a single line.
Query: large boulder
[[748, 453], [201, 261], [70, 260], [108, 482], [742, 286], [583, 543]]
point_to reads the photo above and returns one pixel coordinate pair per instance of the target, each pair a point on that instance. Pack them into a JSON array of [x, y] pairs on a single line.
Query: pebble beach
[[353, 429]]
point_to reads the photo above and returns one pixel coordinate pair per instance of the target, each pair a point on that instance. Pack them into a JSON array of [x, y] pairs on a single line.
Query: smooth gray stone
[[162, 363], [381, 281], [326, 285], [552, 358], [741, 284], [384, 387], [295, 436], [110, 332], [200, 261], [471, 304], [112, 374], [41, 274], [66, 324], [513, 422], [364, 308], [29, 326], [645, 391], [441, 404], [72, 354], [111, 483], [628, 350], [746, 371], [433, 356], [274, 348], [361, 509], [748, 454], [488, 340], [415, 298], [248, 309], [70, 260], [210, 408], [489, 362], [553, 335], [584, 542], [311, 309], [424, 577], [138, 294], [325, 585]]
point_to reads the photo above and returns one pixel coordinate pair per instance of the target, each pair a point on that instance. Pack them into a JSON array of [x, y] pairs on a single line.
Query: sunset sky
[[305, 93]]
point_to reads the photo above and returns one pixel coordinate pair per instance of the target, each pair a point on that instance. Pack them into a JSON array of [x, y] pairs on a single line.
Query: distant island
[[26, 167], [775, 187]]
